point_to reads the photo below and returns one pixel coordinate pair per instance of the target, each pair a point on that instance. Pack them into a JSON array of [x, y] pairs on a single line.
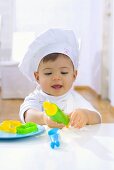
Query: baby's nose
[[57, 77]]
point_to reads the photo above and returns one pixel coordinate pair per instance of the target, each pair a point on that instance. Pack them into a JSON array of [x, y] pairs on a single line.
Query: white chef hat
[[52, 41]]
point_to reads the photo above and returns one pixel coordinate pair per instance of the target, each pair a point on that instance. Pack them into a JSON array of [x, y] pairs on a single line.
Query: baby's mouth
[[57, 86]]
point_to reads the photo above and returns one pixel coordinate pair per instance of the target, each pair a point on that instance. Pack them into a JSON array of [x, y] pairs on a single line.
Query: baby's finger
[[70, 115], [75, 120], [80, 124], [55, 125], [60, 126], [83, 124]]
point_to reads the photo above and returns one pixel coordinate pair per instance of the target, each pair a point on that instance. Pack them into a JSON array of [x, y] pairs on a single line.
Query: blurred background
[[92, 21]]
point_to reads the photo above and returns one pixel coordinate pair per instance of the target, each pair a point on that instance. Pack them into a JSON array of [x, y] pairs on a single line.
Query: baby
[[52, 61]]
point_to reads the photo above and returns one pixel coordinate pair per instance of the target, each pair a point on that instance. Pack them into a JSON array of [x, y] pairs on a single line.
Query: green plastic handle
[[55, 113]]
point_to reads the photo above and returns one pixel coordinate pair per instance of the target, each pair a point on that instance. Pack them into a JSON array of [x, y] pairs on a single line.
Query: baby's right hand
[[51, 123]]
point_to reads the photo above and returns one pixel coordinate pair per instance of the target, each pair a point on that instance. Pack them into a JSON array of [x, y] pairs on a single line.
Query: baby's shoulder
[[35, 94], [75, 94]]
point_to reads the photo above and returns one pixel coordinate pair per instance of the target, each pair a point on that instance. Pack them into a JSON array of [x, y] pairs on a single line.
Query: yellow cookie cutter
[[10, 125]]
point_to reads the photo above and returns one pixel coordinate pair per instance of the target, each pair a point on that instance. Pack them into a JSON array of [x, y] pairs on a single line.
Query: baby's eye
[[48, 73], [63, 72]]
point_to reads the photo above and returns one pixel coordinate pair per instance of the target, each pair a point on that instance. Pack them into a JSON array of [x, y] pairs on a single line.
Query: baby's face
[[56, 77]]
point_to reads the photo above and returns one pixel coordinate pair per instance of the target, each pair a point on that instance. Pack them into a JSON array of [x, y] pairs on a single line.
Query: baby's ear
[[36, 75], [75, 74]]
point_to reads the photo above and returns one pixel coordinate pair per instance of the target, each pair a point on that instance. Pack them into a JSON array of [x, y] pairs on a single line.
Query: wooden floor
[[9, 108]]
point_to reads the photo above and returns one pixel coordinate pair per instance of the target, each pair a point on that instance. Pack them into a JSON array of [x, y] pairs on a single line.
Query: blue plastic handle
[[54, 137]]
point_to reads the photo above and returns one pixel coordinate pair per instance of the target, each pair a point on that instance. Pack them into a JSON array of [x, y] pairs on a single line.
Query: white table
[[90, 148]]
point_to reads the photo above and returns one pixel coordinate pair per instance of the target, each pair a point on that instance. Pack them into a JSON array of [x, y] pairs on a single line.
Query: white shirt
[[67, 102]]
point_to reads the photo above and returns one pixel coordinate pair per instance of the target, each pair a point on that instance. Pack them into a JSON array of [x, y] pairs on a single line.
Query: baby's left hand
[[78, 118]]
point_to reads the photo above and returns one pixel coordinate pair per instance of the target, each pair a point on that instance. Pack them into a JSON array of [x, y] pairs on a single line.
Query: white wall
[[84, 17], [90, 64], [111, 71], [111, 87], [6, 30], [6, 13]]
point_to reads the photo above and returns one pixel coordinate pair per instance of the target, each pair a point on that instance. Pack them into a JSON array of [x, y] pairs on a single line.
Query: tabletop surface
[[89, 148]]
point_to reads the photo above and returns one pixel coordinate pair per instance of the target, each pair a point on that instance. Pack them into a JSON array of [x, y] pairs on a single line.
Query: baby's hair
[[52, 57]]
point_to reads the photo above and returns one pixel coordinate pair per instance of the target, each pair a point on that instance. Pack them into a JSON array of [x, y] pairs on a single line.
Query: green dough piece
[[26, 128]]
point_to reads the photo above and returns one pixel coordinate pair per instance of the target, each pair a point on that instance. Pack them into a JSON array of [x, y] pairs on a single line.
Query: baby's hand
[[78, 118], [51, 123]]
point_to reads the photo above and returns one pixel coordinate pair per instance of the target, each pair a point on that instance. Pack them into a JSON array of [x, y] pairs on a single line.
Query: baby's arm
[[84, 113], [82, 117], [32, 115]]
